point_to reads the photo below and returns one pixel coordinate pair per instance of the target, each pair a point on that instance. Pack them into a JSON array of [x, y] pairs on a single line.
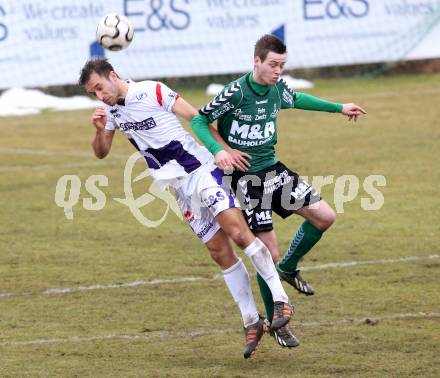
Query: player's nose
[[99, 96]]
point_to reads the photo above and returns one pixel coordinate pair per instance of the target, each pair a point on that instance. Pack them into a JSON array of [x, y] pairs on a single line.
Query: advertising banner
[[343, 32], [46, 43]]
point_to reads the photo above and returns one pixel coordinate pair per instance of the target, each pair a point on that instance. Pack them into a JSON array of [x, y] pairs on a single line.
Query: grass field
[[376, 317]]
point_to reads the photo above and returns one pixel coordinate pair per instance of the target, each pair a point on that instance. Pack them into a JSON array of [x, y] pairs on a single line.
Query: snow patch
[[20, 101]]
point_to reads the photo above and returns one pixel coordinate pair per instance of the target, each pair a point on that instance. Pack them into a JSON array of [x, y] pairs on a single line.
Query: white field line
[[28, 151], [350, 264], [419, 91], [70, 290], [13, 168], [197, 333], [369, 262]]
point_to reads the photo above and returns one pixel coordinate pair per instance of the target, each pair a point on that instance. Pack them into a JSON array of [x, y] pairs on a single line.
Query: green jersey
[[247, 121]]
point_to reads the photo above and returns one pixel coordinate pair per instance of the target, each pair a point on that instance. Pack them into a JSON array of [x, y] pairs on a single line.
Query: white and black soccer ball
[[114, 32]]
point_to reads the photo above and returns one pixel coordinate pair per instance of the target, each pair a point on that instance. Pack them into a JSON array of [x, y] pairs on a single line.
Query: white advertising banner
[[46, 42], [343, 32]]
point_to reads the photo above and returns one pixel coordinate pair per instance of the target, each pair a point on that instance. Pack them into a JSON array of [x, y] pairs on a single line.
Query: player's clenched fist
[[99, 118]]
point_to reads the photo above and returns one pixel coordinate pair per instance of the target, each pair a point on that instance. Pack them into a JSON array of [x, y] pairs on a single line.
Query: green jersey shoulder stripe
[[221, 100]]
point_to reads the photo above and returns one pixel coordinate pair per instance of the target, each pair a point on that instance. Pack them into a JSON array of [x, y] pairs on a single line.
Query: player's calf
[[221, 251]]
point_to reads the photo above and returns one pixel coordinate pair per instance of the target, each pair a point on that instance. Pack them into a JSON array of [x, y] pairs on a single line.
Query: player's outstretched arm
[[102, 141], [308, 102], [352, 111]]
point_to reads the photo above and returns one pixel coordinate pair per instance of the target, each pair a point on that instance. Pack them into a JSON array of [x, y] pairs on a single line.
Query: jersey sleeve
[[165, 97], [287, 94], [227, 100], [308, 102], [200, 126]]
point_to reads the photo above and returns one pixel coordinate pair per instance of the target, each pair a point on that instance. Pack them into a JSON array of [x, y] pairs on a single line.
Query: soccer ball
[[114, 32]]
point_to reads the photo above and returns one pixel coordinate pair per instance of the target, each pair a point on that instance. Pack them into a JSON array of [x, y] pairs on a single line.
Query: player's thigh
[[199, 218], [269, 238], [321, 215], [208, 230]]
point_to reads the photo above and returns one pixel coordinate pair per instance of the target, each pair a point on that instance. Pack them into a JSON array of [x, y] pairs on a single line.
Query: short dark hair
[[99, 65], [269, 43]]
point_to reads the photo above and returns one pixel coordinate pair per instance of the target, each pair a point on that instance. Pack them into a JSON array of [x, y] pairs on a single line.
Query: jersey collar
[[250, 84]]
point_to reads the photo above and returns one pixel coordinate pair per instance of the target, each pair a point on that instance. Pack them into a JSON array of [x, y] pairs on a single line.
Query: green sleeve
[[200, 126], [308, 102]]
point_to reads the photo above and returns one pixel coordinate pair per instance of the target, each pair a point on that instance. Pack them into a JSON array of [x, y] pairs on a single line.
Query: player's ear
[[257, 60], [113, 76]]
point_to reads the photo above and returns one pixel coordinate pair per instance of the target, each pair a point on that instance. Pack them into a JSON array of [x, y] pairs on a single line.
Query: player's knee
[[223, 257], [241, 235], [331, 218], [238, 236], [327, 220], [273, 249], [216, 254], [275, 255]]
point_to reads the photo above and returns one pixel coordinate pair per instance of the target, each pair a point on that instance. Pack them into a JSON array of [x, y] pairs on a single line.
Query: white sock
[[263, 263], [237, 280]]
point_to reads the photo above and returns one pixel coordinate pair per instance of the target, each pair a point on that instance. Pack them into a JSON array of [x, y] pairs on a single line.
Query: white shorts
[[201, 197]]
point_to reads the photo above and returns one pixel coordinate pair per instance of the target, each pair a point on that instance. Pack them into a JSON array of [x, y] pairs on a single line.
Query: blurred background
[[44, 43], [98, 294]]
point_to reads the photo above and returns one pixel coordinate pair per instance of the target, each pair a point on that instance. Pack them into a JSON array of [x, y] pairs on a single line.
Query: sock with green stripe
[[305, 238]]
